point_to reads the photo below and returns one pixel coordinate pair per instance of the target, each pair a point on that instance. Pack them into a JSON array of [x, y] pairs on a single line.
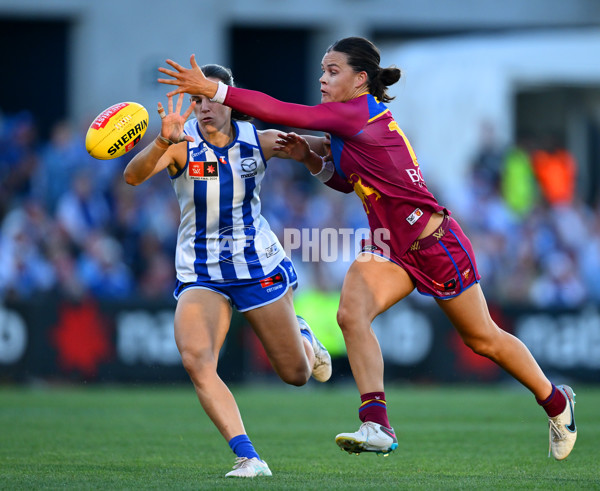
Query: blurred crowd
[[537, 241], [70, 225]]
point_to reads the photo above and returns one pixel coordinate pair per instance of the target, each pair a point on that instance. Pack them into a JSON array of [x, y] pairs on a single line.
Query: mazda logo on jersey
[[271, 280], [203, 171], [249, 165]]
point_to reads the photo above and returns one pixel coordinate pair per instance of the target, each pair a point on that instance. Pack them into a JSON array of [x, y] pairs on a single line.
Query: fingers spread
[[179, 102], [166, 71], [189, 110], [175, 65]]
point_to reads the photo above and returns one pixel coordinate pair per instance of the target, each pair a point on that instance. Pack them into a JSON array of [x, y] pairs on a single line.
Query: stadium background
[[87, 262]]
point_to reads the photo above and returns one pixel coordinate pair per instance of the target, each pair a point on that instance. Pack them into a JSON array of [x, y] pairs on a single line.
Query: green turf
[[159, 438]]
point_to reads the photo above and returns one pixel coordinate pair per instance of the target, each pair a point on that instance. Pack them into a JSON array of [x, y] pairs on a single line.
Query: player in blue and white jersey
[[227, 256]]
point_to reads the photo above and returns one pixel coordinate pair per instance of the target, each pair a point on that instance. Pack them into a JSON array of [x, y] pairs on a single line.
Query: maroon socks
[[555, 404], [374, 408]]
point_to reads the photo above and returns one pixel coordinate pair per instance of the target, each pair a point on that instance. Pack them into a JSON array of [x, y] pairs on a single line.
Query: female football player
[[227, 256], [414, 241]]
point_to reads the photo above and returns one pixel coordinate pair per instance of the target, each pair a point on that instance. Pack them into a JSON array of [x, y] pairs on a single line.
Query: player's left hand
[[292, 144], [172, 122]]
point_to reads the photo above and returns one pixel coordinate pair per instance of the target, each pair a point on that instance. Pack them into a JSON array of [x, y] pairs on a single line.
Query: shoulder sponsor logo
[[197, 152]]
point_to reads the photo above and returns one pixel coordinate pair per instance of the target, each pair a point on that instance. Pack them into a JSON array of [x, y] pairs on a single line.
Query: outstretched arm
[[165, 148], [339, 118]]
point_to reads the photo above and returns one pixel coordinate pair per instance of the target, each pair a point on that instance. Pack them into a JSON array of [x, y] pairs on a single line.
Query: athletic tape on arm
[[220, 94], [326, 171]]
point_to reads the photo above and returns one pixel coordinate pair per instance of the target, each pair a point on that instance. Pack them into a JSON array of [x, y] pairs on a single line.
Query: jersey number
[[393, 126]]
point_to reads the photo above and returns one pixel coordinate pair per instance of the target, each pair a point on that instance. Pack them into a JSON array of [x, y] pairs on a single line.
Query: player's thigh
[[202, 320], [276, 326], [372, 285], [469, 314]]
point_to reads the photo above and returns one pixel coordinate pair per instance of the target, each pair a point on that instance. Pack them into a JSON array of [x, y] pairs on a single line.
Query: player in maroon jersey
[[414, 241]]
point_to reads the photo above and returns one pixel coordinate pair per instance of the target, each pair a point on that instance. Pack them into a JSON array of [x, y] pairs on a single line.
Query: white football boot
[[322, 368], [370, 437], [245, 467], [563, 431]]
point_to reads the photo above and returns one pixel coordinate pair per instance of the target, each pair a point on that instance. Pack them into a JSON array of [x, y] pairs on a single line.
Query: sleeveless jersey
[[222, 235]]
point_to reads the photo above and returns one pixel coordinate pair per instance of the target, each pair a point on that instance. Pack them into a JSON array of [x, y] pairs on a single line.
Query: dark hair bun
[[390, 76]]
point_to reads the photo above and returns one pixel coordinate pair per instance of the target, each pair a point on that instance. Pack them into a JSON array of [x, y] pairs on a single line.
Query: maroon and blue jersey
[[372, 157]]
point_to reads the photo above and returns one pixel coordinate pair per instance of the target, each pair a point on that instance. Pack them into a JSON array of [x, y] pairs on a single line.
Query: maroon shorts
[[442, 265]]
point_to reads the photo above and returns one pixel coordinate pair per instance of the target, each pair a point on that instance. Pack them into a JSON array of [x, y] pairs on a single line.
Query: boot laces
[[555, 434], [241, 462]]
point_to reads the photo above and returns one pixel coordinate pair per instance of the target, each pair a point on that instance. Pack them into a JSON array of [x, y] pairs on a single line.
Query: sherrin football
[[116, 130]]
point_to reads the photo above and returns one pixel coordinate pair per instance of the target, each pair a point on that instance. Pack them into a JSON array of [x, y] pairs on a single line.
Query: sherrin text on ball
[[116, 130]]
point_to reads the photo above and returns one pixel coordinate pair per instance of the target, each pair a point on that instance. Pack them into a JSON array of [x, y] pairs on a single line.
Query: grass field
[[159, 438]]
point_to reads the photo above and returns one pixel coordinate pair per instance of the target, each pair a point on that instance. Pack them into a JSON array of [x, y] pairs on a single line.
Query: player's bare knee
[[348, 320], [197, 364], [344, 318], [482, 346], [296, 375], [486, 341]]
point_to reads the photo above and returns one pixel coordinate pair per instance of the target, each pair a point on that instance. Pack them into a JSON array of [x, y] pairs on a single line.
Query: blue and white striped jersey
[[222, 235]]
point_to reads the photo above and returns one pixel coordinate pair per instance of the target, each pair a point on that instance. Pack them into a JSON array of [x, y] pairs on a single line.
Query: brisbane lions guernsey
[[372, 157], [222, 235]]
